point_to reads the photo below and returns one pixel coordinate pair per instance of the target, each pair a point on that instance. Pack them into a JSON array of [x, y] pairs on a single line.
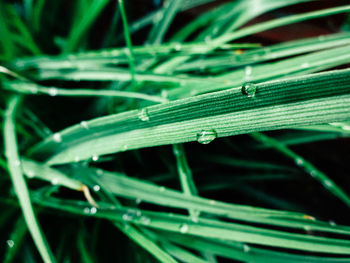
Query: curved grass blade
[[35, 89], [212, 115], [244, 252], [172, 64], [285, 49], [82, 25], [213, 229], [150, 193], [309, 168], [16, 238], [19, 183], [167, 15], [127, 37], [35, 170], [145, 242]]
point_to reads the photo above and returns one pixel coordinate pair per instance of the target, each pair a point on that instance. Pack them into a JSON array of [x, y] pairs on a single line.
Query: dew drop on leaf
[[30, 174], [184, 228], [328, 183], [206, 136], [145, 220], [246, 248], [84, 124], [95, 157], [57, 137], [178, 47], [54, 181], [53, 91], [299, 161], [249, 89], [143, 115], [10, 243]]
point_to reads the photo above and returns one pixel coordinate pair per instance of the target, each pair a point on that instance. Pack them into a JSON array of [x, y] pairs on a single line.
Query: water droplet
[[184, 228], [86, 210], [248, 70], [33, 89], [177, 152], [328, 183], [96, 188], [76, 159], [138, 201], [195, 219], [178, 47], [313, 173], [10, 243], [249, 89], [206, 136], [93, 210], [332, 223], [143, 115], [127, 217], [164, 94], [54, 181], [53, 91], [84, 124], [131, 214], [212, 202], [99, 172], [145, 220], [307, 228], [30, 174], [346, 127], [17, 163], [124, 147], [305, 65], [162, 189], [95, 157], [57, 137], [299, 161], [246, 248]]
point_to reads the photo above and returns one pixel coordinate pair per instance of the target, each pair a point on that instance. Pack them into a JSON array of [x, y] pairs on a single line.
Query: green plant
[[104, 136]]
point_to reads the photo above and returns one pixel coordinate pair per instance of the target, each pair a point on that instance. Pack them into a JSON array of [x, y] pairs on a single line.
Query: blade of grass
[[167, 14], [17, 236], [35, 89], [83, 25], [213, 229], [212, 115], [308, 167], [127, 37], [19, 183]]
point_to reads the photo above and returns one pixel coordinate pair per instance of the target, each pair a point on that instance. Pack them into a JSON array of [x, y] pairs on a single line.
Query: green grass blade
[[83, 25], [213, 229], [212, 115], [167, 15], [309, 168], [19, 183], [35, 89], [127, 37], [147, 243]]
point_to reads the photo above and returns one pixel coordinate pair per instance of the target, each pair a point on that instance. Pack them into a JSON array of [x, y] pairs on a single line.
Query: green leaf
[[19, 182], [276, 105]]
